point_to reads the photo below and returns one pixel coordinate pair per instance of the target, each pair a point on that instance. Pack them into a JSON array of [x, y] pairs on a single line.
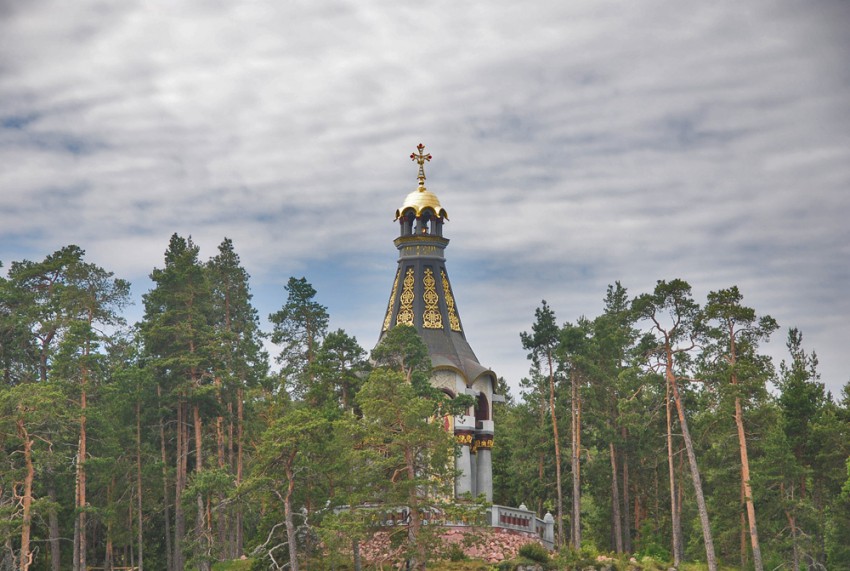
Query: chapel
[[422, 296]]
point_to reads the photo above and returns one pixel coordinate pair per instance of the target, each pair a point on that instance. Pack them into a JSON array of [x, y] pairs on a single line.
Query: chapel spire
[[422, 297], [421, 213]]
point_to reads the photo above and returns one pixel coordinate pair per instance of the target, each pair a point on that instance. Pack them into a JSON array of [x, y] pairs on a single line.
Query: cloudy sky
[[575, 144]]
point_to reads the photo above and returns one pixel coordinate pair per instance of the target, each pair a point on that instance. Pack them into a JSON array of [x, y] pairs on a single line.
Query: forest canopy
[[178, 441]]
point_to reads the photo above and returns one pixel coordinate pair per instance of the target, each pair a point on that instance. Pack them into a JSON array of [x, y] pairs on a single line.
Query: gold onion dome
[[421, 199]]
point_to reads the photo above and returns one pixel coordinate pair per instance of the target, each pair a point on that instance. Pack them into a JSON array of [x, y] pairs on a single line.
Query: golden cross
[[421, 158]]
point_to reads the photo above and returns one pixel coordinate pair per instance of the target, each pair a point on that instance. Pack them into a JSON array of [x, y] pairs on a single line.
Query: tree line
[[178, 441], [172, 443], [678, 447]]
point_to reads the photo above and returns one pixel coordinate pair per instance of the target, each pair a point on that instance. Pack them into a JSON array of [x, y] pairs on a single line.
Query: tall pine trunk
[[80, 546], [231, 466], [746, 490], [627, 520], [710, 558], [130, 525], [53, 525], [169, 555], [792, 526], [239, 463], [140, 538], [287, 513], [25, 557], [109, 555], [674, 512], [616, 518], [221, 523], [561, 538], [200, 522], [80, 543], [541, 457], [179, 485], [743, 525], [416, 546], [575, 451], [637, 507], [76, 556]]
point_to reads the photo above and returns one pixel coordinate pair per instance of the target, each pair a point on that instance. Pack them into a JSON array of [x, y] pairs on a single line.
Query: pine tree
[[178, 337], [838, 526], [409, 455], [18, 352], [818, 439], [65, 304], [240, 364], [523, 441], [33, 416], [299, 327], [541, 344], [339, 369], [613, 338], [737, 335], [674, 317], [573, 355]]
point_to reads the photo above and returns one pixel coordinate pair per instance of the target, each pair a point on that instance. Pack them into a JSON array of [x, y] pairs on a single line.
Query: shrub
[[456, 553], [534, 552]]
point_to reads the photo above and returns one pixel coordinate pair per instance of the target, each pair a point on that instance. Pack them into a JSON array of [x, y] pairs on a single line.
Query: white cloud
[[576, 143]]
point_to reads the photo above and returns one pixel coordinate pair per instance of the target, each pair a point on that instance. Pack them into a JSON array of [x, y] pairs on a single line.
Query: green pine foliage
[[192, 448]]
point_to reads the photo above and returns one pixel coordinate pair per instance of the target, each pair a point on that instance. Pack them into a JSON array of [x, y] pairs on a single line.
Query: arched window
[[424, 219], [482, 411], [407, 222]]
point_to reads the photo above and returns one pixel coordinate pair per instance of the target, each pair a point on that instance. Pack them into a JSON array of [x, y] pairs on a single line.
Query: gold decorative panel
[[431, 319], [463, 439], [482, 443], [389, 315], [405, 310], [454, 322]]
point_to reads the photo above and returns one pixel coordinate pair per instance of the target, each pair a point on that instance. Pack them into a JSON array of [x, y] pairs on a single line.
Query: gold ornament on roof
[[388, 317], [420, 158], [421, 198], [454, 322], [405, 310], [431, 319]]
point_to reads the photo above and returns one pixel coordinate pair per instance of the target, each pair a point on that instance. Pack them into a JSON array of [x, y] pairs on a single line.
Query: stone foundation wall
[[488, 544]]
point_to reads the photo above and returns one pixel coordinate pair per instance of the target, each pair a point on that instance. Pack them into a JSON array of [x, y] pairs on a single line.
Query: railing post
[[494, 516], [549, 530]]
